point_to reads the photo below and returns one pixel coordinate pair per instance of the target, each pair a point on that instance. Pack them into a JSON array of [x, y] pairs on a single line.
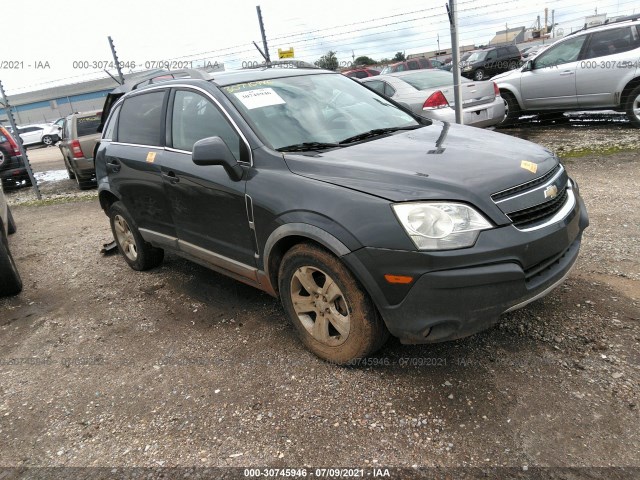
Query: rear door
[[551, 84], [208, 207], [133, 159], [607, 59]]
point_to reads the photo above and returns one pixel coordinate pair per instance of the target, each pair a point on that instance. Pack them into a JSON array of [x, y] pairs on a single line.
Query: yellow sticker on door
[[532, 167], [151, 157]]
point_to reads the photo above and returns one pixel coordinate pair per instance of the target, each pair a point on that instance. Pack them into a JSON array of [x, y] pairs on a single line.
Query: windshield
[[476, 57], [428, 79], [320, 108]]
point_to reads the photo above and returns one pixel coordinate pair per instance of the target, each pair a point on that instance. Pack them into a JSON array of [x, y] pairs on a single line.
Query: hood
[[442, 161]]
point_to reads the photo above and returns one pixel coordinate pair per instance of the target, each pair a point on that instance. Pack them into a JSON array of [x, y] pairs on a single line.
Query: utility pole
[[115, 59], [553, 24], [264, 35], [18, 140], [452, 11]]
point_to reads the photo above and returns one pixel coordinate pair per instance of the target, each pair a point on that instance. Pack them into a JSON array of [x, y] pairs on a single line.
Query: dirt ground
[[104, 366]]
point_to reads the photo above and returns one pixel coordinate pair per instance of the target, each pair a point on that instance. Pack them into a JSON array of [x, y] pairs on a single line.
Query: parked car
[[463, 58], [13, 172], [531, 52], [487, 62], [593, 69], [10, 281], [79, 138], [40, 133], [412, 64], [361, 72], [362, 217], [430, 93]]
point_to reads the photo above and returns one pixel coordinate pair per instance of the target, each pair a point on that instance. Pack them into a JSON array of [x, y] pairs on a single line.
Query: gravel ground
[[179, 366]]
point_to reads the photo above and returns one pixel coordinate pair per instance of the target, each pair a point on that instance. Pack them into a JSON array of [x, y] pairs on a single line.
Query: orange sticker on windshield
[[532, 167], [151, 157]]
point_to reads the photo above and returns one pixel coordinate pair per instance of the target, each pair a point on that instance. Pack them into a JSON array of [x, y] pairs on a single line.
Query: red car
[[363, 72], [12, 170]]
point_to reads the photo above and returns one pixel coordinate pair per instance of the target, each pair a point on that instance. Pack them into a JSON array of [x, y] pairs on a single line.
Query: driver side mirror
[[213, 151], [528, 66]]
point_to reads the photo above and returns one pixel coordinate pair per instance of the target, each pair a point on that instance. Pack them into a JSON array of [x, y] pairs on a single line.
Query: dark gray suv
[[361, 217]]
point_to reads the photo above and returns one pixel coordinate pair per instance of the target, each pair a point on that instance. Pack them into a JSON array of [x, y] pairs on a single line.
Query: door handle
[[113, 166], [171, 177], [566, 72]]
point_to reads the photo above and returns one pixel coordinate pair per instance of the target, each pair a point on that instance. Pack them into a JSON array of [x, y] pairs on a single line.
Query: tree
[[399, 57], [364, 60], [328, 61]]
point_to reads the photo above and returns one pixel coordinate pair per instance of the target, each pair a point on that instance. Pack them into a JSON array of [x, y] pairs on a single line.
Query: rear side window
[[610, 42], [196, 117], [377, 85], [141, 119], [110, 129], [88, 125], [389, 91]]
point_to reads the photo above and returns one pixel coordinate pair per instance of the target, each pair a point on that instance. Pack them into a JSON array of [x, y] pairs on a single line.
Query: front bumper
[[461, 292]]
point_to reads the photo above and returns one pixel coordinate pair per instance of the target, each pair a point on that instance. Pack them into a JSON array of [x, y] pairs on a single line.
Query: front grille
[[526, 186], [532, 215]]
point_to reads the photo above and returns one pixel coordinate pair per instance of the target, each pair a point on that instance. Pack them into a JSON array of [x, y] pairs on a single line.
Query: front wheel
[[10, 281], [511, 109], [334, 316], [47, 140], [139, 254], [479, 75], [633, 107], [11, 223]]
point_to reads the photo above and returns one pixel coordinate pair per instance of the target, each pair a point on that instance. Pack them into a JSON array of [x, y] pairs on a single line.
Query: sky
[[69, 45]]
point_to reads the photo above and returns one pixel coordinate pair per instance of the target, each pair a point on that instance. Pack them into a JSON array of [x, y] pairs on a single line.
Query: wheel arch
[[510, 90], [283, 238], [106, 199], [626, 91]]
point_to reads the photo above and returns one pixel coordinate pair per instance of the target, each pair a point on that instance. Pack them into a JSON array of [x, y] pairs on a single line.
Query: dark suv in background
[[12, 170], [363, 218], [487, 62]]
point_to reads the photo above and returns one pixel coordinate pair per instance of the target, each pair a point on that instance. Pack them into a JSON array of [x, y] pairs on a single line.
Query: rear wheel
[[334, 316], [511, 109], [10, 281], [633, 107], [139, 254]]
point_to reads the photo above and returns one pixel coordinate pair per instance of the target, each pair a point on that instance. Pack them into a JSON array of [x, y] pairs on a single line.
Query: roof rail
[[628, 18]]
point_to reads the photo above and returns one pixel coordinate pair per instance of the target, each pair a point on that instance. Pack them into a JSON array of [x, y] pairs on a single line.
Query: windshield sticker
[[532, 167], [241, 86], [258, 98]]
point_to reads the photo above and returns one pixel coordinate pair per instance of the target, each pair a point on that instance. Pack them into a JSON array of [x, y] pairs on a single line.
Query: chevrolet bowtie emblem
[[551, 191]]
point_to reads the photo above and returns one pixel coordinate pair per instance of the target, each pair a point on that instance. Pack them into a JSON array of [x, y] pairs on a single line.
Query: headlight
[[440, 226], [467, 68]]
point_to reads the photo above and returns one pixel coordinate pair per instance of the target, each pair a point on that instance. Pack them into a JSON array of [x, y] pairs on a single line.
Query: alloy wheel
[[125, 238]]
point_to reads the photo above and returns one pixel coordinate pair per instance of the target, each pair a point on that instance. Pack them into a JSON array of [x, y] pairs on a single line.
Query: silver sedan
[[429, 93]]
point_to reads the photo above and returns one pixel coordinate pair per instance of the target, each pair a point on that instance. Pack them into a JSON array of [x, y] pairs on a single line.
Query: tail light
[[14, 145], [435, 100], [496, 89], [76, 150]]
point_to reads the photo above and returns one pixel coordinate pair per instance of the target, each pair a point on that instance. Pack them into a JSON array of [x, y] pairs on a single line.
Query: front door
[[208, 207]]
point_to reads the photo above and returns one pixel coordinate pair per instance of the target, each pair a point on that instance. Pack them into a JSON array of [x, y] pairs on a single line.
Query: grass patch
[[597, 150]]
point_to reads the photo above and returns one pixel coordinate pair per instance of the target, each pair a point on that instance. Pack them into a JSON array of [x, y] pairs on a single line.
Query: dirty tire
[[512, 109], [633, 107], [139, 254], [479, 75], [11, 223], [70, 172], [344, 298], [10, 281]]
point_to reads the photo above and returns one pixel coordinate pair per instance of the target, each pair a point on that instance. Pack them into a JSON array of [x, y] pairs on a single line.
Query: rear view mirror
[[528, 66], [213, 151]]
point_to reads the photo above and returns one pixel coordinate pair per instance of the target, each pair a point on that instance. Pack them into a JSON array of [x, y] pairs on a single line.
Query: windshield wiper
[[307, 146], [376, 132]]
